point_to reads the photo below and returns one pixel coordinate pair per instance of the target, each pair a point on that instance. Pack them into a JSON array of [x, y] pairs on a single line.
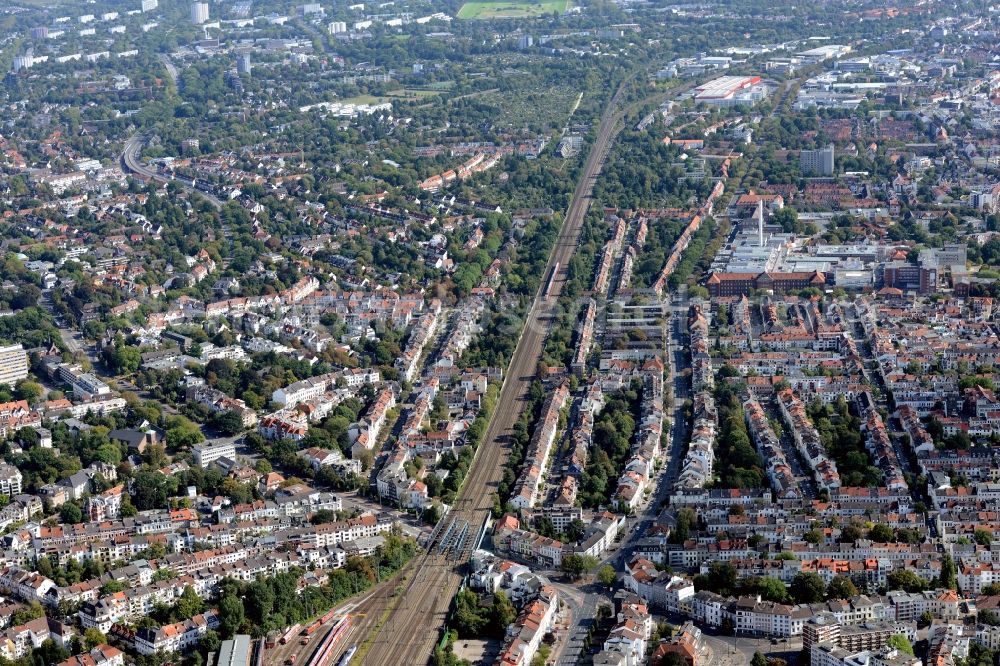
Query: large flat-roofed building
[[13, 364], [821, 53], [731, 91], [235, 652]]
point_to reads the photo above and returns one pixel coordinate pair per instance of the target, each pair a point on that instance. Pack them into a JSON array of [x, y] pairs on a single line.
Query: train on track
[[552, 278], [323, 655], [346, 659]]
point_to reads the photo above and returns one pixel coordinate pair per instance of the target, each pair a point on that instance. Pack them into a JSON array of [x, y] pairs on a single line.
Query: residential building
[[818, 162], [13, 364]]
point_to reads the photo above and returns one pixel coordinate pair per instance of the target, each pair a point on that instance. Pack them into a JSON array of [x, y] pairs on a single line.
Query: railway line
[[406, 630]]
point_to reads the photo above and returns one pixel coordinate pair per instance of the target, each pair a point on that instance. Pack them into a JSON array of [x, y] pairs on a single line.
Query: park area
[[511, 10]]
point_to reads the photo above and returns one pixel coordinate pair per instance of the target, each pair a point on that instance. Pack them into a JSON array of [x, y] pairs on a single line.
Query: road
[[410, 631], [169, 66], [131, 163]]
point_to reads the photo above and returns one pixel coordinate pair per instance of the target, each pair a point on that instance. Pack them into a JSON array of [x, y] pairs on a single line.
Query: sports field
[[510, 10]]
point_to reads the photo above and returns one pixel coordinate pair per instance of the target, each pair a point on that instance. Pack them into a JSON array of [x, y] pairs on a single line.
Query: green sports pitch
[[510, 10]]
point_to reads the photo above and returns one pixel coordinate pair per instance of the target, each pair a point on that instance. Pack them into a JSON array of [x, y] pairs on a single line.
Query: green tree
[[210, 642], [28, 390], [231, 615], [189, 604], [881, 533], [901, 643], [70, 513], [227, 423], [722, 578], [149, 490], [771, 589], [904, 579], [51, 652], [503, 611], [841, 587], [93, 637], [758, 659], [259, 602], [949, 576], [807, 588], [469, 619], [850, 534], [32, 611], [575, 565], [606, 575], [988, 616], [982, 537]]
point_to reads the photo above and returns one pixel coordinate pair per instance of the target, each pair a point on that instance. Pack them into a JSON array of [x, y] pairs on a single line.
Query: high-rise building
[[243, 64], [199, 12], [817, 162], [149, 5], [338, 27], [13, 364]]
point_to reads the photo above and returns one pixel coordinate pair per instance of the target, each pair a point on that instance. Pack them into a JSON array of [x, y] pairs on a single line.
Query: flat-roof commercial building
[[821, 53], [731, 91]]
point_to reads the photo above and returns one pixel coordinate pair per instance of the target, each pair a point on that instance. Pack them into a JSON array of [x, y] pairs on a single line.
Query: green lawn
[[365, 99], [512, 9]]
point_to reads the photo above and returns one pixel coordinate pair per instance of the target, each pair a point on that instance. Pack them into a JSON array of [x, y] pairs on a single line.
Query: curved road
[[411, 628], [131, 163]]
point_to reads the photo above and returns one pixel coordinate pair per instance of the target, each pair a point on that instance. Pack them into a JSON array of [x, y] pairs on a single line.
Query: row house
[[526, 489], [99, 655], [524, 636], [25, 585], [284, 424], [16, 415], [176, 637], [646, 446], [920, 440], [508, 537], [779, 472], [19, 641], [663, 590], [336, 533], [465, 325], [699, 460], [880, 446], [364, 434], [807, 440], [628, 639]]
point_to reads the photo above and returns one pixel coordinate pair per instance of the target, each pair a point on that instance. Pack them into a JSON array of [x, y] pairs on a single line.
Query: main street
[[410, 629]]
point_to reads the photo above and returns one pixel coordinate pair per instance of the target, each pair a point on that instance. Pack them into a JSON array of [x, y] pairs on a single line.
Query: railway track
[[406, 632]]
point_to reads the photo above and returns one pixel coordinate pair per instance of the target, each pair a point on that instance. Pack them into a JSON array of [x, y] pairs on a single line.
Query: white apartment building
[[13, 364], [205, 454]]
